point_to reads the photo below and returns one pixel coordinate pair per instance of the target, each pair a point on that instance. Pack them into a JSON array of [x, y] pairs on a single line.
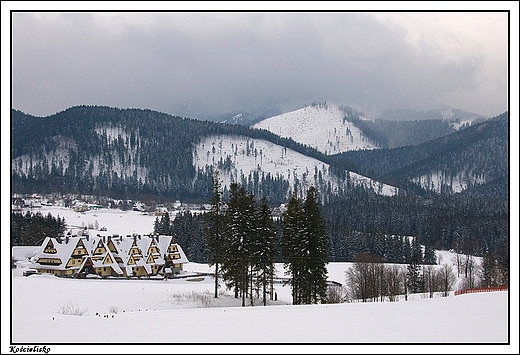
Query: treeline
[[465, 224], [388, 248], [386, 226], [371, 280], [32, 228], [188, 229], [383, 227]]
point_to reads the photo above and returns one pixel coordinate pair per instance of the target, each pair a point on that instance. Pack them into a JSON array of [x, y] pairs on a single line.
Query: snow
[[436, 181], [146, 313], [115, 221], [98, 164], [184, 314], [321, 127], [249, 155]]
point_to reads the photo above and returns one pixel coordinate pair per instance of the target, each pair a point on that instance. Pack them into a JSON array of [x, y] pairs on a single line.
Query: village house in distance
[[133, 256]]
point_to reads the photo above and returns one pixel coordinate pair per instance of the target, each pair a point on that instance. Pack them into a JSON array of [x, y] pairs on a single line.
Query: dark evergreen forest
[[479, 150], [380, 226], [468, 225], [32, 228]]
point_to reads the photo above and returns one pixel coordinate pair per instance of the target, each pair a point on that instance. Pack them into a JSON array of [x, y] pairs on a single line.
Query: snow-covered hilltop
[[322, 126]]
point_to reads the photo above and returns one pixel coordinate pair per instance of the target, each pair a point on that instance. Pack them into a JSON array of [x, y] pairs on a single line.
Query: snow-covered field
[[149, 311], [180, 315], [115, 221]]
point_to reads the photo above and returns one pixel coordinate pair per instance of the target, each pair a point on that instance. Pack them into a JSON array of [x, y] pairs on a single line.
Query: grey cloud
[[231, 60]]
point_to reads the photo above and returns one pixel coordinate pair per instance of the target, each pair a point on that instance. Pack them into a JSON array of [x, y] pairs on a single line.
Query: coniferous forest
[[82, 149]]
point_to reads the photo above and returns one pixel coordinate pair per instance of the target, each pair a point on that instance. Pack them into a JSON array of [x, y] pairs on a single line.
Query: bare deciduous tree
[[447, 279], [395, 277]]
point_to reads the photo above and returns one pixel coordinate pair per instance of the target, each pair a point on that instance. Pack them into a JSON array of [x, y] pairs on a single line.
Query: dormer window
[[49, 248]]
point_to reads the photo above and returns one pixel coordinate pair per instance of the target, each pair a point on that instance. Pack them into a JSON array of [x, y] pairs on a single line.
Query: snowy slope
[[245, 156], [322, 127], [436, 181]]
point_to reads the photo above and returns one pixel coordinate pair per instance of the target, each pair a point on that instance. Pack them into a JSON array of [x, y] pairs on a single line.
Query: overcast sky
[[230, 61]]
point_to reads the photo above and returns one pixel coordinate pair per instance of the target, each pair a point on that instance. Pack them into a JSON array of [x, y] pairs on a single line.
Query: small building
[[160, 211]]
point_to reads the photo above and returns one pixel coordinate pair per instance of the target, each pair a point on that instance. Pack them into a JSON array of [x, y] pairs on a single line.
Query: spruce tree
[[215, 228], [488, 277], [413, 276], [162, 225], [317, 248], [238, 233], [290, 245], [429, 255], [263, 248]]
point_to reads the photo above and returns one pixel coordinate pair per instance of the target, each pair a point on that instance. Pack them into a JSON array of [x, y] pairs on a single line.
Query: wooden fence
[[474, 290]]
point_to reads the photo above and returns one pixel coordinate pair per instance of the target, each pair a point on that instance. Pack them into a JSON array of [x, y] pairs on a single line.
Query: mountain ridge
[[485, 143], [135, 151], [334, 128], [149, 152]]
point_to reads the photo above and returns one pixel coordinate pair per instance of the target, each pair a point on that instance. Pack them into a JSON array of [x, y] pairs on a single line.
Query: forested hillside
[[465, 224], [467, 159], [120, 152], [393, 134]]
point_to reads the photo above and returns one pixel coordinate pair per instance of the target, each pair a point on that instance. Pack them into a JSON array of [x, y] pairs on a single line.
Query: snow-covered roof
[[118, 252]]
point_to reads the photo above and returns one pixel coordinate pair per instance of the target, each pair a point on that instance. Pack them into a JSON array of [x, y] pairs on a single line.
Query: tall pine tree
[[317, 248], [215, 228], [237, 236], [290, 245], [414, 278], [263, 249]]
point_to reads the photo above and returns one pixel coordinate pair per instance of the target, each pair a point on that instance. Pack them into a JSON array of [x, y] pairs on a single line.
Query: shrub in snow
[[203, 299], [336, 294], [69, 308]]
